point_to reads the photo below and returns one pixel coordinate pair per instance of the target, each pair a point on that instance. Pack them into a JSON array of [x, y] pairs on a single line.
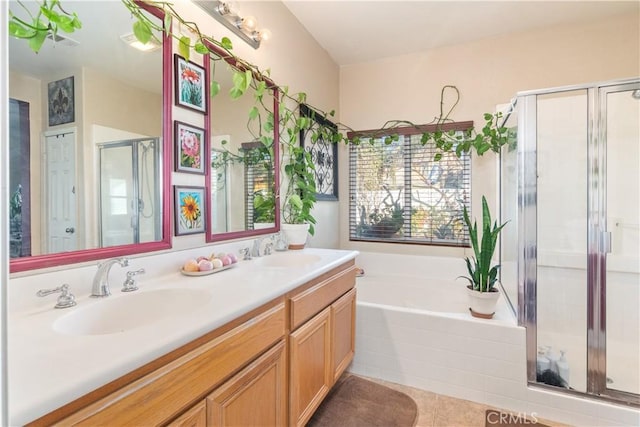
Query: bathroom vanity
[[266, 349]]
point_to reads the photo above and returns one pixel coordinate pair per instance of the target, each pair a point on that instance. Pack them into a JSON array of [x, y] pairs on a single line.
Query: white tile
[[503, 387], [619, 415]]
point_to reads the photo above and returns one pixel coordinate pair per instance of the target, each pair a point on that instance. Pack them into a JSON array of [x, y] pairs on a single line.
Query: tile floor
[[436, 410]]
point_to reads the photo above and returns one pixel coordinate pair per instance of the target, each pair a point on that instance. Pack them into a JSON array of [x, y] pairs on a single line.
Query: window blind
[[398, 193]]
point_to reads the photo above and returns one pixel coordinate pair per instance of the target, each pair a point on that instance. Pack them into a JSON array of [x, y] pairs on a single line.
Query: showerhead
[[636, 94]]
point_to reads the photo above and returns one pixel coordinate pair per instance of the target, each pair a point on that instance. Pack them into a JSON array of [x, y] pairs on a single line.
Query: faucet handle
[[246, 253], [129, 284], [66, 298], [268, 248]]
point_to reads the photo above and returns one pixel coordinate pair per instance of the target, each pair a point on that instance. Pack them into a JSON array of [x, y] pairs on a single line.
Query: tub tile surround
[[456, 355], [48, 369]]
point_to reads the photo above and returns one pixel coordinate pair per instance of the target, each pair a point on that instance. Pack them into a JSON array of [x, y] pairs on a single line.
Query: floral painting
[[190, 148], [190, 85], [189, 210]]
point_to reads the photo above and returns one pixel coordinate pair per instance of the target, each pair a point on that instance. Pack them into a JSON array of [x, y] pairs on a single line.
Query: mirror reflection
[[242, 158], [85, 136]]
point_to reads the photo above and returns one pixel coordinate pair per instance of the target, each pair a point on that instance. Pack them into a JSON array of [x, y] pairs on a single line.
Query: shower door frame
[[157, 173], [597, 237]]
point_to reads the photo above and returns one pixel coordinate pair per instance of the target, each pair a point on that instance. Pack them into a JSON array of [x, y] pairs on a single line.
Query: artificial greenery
[[264, 206], [482, 275], [301, 191], [300, 197]]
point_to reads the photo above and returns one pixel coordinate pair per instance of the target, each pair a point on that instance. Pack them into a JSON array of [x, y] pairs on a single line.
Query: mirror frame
[[211, 237], [72, 257]]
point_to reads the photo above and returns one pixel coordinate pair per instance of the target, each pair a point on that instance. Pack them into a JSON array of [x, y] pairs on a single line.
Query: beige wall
[[487, 73]]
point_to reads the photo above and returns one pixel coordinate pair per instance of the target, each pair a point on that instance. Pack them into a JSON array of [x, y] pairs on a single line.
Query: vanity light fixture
[[227, 14], [132, 41]]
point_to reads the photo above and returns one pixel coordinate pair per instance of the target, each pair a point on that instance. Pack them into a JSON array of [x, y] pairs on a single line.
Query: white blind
[[398, 193]]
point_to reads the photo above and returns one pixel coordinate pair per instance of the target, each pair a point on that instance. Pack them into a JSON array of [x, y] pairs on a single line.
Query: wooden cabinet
[[310, 371], [343, 332], [322, 347], [194, 417], [254, 397], [270, 367], [169, 391]]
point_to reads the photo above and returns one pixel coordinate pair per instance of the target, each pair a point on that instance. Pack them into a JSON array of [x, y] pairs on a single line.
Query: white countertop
[[48, 369]]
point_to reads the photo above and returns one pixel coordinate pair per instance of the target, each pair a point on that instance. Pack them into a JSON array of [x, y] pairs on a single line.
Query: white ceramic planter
[[296, 234], [263, 225], [483, 304]]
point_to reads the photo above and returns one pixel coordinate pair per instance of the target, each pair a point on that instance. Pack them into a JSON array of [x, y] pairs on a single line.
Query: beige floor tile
[[435, 410]]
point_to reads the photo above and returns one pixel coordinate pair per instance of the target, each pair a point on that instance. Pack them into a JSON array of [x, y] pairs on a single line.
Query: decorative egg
[[217, 263], [226, 260], [200, 258], [205, 265], [191, 265], [233, 258]]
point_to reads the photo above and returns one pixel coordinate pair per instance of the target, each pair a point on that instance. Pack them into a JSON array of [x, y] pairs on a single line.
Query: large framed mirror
[[243, 174], [90, 145]]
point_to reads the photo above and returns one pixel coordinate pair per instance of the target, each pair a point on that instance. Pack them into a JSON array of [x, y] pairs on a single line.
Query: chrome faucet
[[101, 280], [257, 244]]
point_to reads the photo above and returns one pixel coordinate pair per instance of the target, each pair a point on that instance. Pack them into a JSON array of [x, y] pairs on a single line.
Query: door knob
[[70, 230]]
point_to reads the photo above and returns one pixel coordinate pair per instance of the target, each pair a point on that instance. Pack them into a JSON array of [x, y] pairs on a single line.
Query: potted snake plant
[[483, 276]]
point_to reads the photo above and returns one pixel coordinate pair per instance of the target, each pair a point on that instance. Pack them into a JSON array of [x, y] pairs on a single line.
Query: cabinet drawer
[[311, 301], [164, 393]]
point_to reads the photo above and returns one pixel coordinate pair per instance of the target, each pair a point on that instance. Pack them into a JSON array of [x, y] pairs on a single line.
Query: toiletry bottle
[[563, 368], [553, 357], [542, 362]]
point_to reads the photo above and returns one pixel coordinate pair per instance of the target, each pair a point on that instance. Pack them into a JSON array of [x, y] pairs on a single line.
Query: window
[[398, 193]]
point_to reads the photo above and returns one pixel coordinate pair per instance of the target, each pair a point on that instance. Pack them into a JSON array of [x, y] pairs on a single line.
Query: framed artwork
[[61, 102], [324, 153], [190, 142], [189, 210], [190, 84]]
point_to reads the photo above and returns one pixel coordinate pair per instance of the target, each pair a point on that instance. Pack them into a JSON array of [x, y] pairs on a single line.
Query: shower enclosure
[[571, 189], [129, 202]]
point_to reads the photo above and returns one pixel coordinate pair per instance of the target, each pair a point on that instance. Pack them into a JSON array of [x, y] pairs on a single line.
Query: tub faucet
[[101, 280]]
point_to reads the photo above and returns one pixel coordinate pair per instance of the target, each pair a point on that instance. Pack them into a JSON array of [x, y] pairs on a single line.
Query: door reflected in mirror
[[86, 140], [242, 180]]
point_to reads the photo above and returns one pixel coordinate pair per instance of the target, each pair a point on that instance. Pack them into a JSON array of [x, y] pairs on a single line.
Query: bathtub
[[413, 327]]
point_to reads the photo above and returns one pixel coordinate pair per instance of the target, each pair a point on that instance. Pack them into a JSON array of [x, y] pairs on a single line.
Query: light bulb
[[264, 35], [249, 23]]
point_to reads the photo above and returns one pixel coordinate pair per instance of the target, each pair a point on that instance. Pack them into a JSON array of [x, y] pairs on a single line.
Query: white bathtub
[[413, 327]]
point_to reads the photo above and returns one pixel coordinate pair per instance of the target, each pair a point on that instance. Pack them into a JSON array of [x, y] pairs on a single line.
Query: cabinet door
[[310, 373], [343, 327], [194, 417], [256, 396]]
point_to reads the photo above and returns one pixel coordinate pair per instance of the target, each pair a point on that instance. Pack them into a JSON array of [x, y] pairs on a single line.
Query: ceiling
[[354, 31], [98, 46]]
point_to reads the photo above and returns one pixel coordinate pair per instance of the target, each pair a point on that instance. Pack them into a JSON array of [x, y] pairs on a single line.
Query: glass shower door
[[562, 247], [620, 110]]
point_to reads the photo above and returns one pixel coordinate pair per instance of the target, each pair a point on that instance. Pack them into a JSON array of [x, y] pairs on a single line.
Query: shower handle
[[605, 242]]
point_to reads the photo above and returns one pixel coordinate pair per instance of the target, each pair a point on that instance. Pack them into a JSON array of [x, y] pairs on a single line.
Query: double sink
[[124, 312]]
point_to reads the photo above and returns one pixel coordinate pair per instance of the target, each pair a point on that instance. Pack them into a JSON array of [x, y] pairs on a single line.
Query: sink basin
[[288, 260], [121, 313]]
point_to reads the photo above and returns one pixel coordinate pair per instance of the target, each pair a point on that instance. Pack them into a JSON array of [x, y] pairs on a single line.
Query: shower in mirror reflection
[[129, 200]]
